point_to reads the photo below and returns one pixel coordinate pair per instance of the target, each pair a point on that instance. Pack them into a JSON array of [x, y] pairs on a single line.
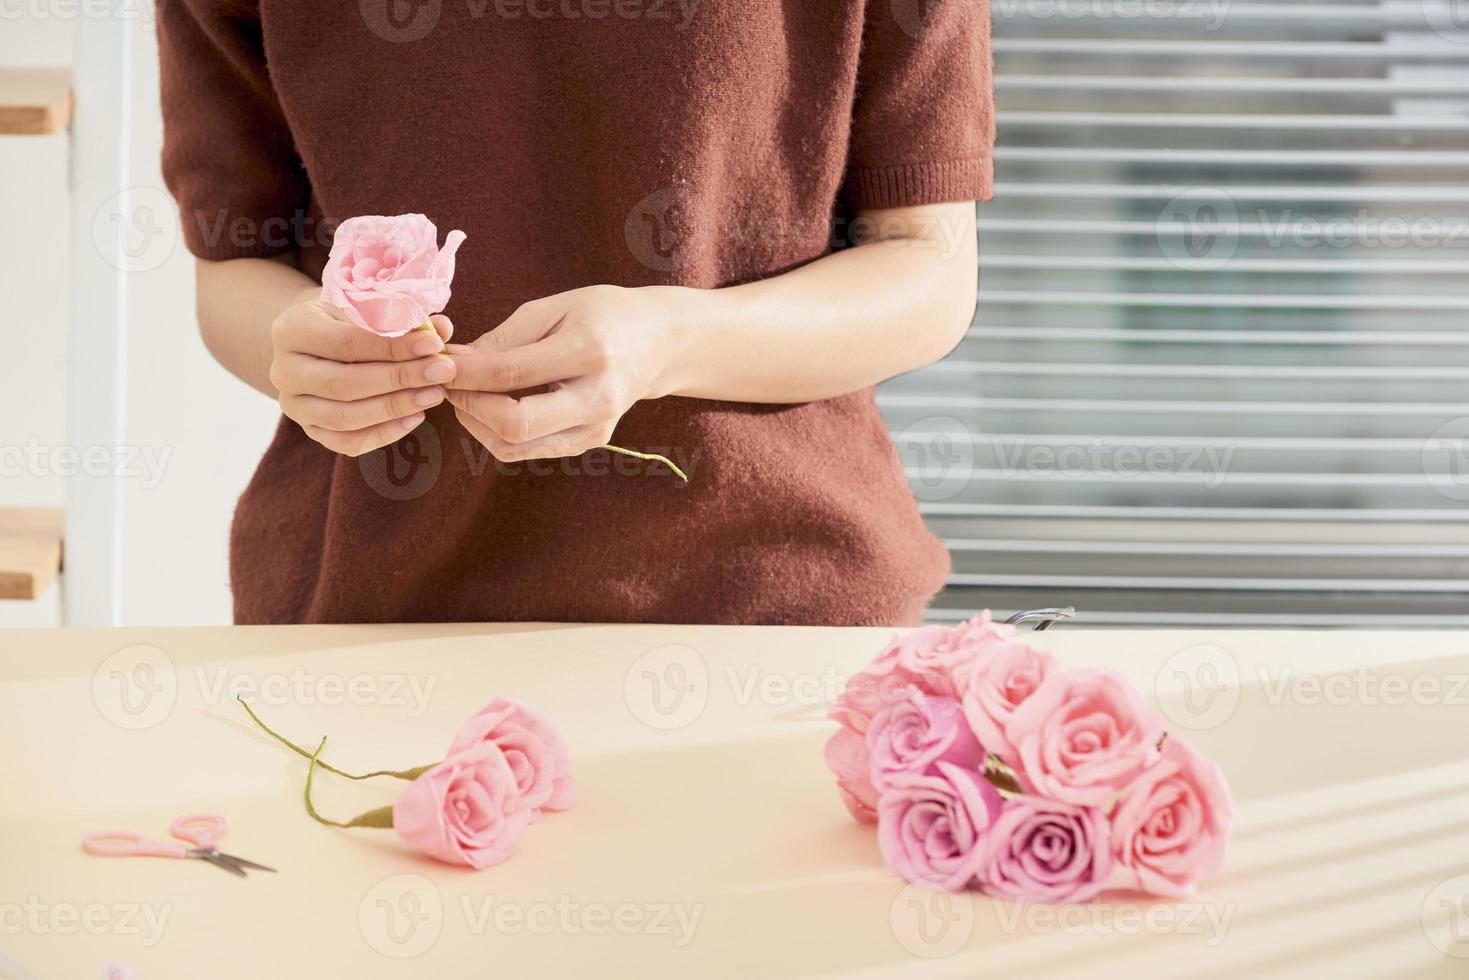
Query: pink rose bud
[[465, 810], [998, 685], [535, 750], [932, 829], [912, 736], [1046, 851], [388, 274], [846, 756], [1082, 736], [1172, 823]]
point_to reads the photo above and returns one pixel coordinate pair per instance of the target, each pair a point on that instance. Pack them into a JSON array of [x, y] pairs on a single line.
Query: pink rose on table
[[910, 737], [1082, 735], [465, 810], [931, 659], [1046, 851], [847, 758], [536, 752], [1172, 822], [932, 829], [388, 274], [998, 685]]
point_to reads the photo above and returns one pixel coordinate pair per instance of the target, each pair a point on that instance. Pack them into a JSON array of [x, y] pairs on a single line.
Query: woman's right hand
[[351, 390]]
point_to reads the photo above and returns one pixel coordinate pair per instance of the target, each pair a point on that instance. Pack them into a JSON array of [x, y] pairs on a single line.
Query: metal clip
[[1042, 617]]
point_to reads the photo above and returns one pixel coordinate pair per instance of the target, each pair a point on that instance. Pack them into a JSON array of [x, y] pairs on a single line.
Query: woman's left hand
[[599, 349]]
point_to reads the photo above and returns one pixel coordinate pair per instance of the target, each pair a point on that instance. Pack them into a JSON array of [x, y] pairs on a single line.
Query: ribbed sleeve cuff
[[911, 184]]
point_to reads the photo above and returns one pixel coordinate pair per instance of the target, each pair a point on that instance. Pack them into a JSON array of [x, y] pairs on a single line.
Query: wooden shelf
[[34, 101], [30, 550]]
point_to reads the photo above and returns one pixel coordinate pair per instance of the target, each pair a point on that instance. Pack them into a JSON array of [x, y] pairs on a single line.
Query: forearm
[[845, 322], [238, 300]]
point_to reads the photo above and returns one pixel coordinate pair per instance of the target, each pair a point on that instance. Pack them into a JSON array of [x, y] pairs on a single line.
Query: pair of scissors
[[203, 830]]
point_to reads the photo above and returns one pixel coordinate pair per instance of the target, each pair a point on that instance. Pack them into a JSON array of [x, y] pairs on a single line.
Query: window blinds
[[1219, 373]]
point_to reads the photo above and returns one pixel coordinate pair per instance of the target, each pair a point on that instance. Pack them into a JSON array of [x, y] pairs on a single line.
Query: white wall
[[202, 430]]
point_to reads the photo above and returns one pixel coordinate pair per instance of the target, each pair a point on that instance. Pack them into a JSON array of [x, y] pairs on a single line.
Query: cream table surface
[[707, 840]]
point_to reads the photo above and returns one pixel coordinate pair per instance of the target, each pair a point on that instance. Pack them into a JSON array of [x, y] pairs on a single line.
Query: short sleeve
[[228, 156], [923, 124]]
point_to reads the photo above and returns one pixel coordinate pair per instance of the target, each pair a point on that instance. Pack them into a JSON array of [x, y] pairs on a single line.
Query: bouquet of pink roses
[[985, 765]]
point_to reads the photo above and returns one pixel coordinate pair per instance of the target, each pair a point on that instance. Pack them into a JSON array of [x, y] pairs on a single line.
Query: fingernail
[[412, 421], [440, 370], [428, 397], [428, 345]]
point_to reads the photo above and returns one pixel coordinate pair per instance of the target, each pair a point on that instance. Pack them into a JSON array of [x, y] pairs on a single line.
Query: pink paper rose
[[998, 684], [932, 829], [535, 750], [465, 810], [1082, 736], [1045, 851], [1172, 823], [931, 659], [910, 737], [388, 274], [846, 756]]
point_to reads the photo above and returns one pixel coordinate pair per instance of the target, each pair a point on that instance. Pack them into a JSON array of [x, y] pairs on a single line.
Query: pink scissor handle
[[200, 829], [125, 843]]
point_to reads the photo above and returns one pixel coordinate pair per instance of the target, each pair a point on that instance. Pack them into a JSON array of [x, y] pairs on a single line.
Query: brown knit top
[[580, 141]]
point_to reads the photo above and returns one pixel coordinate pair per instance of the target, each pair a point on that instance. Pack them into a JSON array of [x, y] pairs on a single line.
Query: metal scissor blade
[[218, 860], [241, 862]]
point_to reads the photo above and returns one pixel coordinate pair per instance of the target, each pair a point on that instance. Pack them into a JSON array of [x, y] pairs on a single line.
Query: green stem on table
[[381, 817], [409, 774], [653, 456]]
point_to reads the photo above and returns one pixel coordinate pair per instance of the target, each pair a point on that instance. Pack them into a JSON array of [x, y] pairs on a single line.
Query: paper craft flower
[[911, 737], [1083, 735], [986, 765], [932, 829], [1172, 823], [504, 765], [388, 274], [1048, 851]]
